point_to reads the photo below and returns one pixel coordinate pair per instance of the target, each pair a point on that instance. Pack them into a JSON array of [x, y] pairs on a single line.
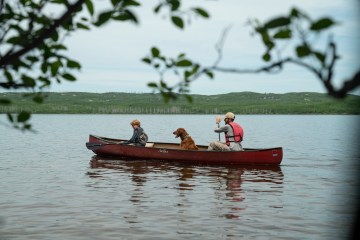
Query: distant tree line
[[241, 103]]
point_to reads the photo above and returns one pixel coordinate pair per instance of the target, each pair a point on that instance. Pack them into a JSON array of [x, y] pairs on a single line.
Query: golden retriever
[[187, 143]]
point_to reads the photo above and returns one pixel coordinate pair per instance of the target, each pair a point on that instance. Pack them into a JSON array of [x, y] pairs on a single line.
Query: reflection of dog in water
[[187, 143]]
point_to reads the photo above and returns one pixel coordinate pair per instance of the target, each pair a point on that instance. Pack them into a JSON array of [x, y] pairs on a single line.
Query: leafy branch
[[182, 67], [296, 28], [32, 55], [299, 27], [178, 15]]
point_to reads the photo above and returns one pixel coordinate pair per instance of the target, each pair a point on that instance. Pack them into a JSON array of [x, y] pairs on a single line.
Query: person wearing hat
[[139, 137], [234, 134]]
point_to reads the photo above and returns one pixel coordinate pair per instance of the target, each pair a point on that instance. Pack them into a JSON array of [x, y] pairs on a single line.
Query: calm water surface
[[52, 187]]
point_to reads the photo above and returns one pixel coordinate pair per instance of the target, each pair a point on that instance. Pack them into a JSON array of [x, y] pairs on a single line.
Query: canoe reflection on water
[[229, 183], [233, 175]]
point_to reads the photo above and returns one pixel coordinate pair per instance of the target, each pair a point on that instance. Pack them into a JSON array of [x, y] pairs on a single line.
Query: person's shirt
[[136, 136], [225, 128], [234, 146]]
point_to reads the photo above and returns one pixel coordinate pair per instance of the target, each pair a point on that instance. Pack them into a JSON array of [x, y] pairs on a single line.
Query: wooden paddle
[[218, 119]]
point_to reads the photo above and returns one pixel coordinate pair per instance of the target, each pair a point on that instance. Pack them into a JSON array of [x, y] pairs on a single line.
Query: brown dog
[[187, 143]]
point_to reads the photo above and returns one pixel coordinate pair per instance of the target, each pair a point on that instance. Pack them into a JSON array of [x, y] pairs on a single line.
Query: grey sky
[[110, 56]]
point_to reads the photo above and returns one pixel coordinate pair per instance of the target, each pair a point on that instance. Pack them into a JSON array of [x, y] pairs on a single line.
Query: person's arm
[[221, 129], [132, 139]]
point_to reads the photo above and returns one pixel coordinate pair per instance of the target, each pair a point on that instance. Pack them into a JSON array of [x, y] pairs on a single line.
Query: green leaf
[[90, 7], [27, 126], [294, 12], [163, 84], [68, 77], [165, 96], [270, 45], [28, 81], [5, 101], [266, 39], [55, 67], [38, 99], [58, 1], [155, 52], [189, 98], [187, 74], [103, 18], [177, 21], [195, 68], [146, 60], [14, 40], [55, 36], [10, 117], [266, 57], [157, 8], [175, 4], [23, 116], [152, 85], [59, 47], [209, 74], [23, 64], [320, 56], [283, 34], [322, 24], [8, 76], [44, 67], [181, 55], [126, 16], [115, 2], [45, 81], [202, 12], [131, 16], [73, 64], [184, 63], [82, 26], [127, 3], [32, 58], [303, 51], [277, 22]]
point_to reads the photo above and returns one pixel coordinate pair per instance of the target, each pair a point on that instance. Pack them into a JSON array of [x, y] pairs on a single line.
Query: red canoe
[[171, 152]]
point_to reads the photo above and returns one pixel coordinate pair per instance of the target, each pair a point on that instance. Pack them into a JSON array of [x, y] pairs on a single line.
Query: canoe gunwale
[[117, 141]]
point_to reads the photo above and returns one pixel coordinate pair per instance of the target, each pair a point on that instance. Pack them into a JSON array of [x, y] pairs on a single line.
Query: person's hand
[[218, 119]]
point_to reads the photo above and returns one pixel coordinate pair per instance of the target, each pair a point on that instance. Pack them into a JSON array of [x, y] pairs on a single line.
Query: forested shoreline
[[151, 103]]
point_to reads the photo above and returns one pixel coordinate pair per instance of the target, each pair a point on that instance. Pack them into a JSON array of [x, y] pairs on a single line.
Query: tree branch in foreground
[[9, 58]]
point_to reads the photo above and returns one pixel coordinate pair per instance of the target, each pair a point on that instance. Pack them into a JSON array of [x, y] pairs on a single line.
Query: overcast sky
[[111, 56]]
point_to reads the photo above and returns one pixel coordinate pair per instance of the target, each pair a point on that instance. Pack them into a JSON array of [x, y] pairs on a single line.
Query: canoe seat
[[149, 145]]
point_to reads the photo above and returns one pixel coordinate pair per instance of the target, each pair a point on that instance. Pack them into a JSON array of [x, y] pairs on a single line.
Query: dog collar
[[186, 136]]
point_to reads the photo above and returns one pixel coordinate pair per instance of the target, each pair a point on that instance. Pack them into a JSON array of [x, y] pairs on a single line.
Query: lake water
[[52, 187]]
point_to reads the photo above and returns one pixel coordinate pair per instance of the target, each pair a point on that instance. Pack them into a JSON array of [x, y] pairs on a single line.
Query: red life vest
[[238, 133]]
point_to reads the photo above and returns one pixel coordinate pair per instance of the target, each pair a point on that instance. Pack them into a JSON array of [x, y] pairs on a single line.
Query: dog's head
[[180, 132]]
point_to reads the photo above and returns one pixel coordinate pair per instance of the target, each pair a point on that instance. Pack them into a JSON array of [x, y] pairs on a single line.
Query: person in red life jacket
[[233, 135]]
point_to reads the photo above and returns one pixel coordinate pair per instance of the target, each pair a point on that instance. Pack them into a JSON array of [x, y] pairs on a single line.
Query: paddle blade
[[93, 146], [218, 119]]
